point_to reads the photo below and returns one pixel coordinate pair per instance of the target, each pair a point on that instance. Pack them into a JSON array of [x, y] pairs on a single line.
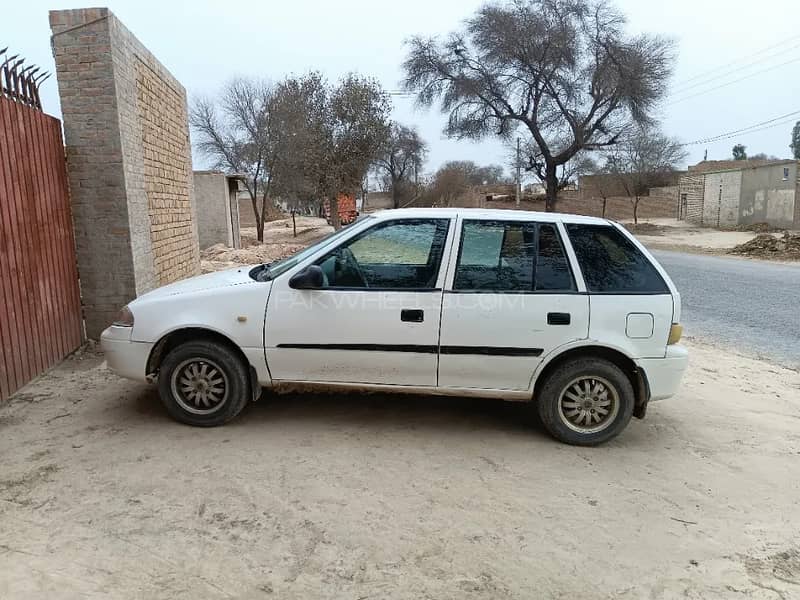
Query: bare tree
[[335, 132], [563, 70], [356, 123], [448, 184], [476, 174], [300, 104], [646, 159], [240, 134], [455, 178], [401, 159]]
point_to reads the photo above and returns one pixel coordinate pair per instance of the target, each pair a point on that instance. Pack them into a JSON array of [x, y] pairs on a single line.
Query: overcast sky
[[205, 43]]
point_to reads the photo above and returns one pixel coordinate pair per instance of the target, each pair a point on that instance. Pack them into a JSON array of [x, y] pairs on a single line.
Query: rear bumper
[[664, 374], [124, 357]]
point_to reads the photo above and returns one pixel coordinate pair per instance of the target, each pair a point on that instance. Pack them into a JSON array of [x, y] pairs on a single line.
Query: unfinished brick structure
[[129, 162]]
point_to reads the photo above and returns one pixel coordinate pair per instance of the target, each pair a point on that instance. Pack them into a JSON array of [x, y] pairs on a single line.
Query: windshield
[[274, 269]]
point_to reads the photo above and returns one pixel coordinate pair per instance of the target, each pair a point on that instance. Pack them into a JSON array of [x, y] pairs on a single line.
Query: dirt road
[[102, 496]]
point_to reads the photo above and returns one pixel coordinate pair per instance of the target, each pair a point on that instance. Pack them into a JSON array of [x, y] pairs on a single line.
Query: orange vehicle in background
[[347, 209]]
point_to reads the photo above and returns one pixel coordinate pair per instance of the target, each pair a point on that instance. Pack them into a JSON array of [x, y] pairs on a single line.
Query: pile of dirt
[[765, 245], [756, 228], [279, 242]]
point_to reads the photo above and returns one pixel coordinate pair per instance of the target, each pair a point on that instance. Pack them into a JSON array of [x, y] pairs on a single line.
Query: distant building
[[217, 208], [715, 166], [731, 193]]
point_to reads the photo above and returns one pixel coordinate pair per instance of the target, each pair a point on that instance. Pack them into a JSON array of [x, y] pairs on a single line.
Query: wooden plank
[[16, 330], [9, 363], [52, 203], [71, 295], [70, 310], [47, 201], [42, 308], [30, 249]]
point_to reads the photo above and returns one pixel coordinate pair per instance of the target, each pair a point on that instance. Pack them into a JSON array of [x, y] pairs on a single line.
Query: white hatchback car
[[569, 312]]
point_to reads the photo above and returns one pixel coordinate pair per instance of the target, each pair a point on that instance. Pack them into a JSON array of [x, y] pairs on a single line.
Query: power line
[[738, 60], [684, 88], [744, 130], [740, 134], [788, 62]]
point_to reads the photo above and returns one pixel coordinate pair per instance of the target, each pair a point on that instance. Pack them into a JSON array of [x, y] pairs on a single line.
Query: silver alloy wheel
[[588, 404], [199, 386]]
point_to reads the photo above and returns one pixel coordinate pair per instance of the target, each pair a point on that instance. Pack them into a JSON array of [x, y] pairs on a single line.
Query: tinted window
[[552, 267], [511, 256], [396, 255], [611, 263]]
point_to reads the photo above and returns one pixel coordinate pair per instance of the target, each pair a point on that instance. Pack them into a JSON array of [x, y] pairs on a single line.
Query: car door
[[375, 320], [510, 299]]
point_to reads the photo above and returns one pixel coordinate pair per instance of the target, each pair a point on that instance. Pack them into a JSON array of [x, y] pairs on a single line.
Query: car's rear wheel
[[586, 401], [203, 383]]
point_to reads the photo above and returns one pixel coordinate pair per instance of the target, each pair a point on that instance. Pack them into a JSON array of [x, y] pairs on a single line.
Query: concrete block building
[[129, 163], [767, 192], [217, 202]]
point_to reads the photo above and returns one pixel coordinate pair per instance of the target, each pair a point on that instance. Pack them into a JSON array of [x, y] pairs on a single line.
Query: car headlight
[[124, 318]]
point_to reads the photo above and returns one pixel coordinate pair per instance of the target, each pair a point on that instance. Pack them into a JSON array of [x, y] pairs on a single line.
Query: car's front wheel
[[203, 383], [586, 401]]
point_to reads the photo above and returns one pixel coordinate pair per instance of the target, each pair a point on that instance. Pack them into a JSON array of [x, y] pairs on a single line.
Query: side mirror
[[310, 278]]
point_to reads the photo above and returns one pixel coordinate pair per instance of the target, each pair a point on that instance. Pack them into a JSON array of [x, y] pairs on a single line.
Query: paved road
[[753, 306]]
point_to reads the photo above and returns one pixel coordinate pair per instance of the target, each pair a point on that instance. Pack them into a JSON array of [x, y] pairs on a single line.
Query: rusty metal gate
[[40, 311]]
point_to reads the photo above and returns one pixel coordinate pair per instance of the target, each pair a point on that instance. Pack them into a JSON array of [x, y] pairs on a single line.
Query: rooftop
[[483, 213], [717, 166]]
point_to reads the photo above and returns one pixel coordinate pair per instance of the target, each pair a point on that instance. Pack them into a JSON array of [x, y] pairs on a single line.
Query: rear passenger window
[[511, 257], [611, 263], [552, 268]]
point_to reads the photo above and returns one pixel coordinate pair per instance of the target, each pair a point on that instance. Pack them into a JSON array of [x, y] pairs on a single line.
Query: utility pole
[[519, 182]]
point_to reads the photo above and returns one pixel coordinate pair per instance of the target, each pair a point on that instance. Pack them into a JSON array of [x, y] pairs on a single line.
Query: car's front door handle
[[412, 315]]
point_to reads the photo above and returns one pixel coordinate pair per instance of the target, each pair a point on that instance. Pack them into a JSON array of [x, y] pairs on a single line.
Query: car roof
[[484, 213]]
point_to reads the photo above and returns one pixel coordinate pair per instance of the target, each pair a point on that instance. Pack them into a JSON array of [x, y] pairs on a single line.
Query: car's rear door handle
[[412, 315], [558, 318]]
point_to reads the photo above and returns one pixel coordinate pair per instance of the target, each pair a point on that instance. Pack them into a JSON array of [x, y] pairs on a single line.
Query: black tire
[[559, 415], [210, 408]]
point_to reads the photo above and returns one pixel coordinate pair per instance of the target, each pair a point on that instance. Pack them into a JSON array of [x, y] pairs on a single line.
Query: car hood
[[209, 281]]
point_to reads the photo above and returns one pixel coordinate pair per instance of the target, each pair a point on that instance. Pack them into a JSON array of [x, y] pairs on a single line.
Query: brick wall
[[721, 198], [690, 195], [121, 192], [617, 208], [165, 146]]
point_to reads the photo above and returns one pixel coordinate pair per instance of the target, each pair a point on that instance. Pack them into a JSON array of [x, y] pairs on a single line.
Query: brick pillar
[[128, 160]]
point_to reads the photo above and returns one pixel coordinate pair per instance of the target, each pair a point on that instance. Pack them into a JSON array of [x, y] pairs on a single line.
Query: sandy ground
[[279, 241], [685, 237], [332, 496]]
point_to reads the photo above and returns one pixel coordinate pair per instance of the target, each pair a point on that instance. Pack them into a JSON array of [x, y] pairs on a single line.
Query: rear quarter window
[[611, 263]]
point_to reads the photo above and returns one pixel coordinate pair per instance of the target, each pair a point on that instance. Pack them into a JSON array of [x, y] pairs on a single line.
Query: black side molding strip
[[491, 350], [422, 349], [367, 347]]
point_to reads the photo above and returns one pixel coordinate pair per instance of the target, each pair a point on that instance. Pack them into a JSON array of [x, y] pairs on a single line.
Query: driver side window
[[404, 254]]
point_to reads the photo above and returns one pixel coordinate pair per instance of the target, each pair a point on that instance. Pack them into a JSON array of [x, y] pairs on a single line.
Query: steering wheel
[[350, 262]]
